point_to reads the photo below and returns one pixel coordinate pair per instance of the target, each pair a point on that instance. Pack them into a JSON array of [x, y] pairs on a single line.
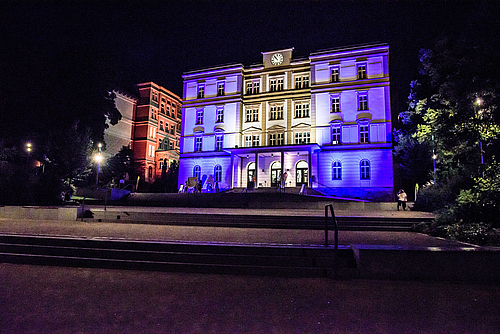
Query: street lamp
[[98, 158], [28, 149], [478, 103]]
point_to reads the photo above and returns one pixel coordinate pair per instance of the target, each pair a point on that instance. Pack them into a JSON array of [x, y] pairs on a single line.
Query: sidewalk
[[166, 233]]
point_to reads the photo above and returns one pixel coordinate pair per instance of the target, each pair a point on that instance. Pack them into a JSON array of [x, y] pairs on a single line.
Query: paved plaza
[[47, 299]]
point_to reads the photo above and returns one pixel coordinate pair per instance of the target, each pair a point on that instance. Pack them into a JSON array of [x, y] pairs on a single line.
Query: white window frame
[[362, 101], [335, 103], [220, 89], [336, 170], [199, 116], [198, 144], [248, 140], [336, 134], [361, 71], [364, 169], [219, 115], [219, 141], [218, 173], [335, 74], [364, 132]]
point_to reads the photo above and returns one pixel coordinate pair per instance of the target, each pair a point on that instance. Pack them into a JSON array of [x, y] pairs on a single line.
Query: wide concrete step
[[258, 221], [301, 261]]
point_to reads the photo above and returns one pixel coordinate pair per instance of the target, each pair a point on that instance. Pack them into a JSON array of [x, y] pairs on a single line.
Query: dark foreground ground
[[37, 299]]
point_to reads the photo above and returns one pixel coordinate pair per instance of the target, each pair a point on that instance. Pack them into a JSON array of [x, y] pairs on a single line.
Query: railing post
[[326, 225]]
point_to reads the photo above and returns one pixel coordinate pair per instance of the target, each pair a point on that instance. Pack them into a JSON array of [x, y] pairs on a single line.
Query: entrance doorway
[[302, 173], [275, 173], [251, 175]]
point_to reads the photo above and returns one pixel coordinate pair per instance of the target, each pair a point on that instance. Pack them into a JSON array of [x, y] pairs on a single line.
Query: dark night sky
[[159, 40]]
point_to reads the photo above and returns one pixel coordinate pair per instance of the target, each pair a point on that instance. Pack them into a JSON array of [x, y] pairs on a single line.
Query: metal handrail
[[335, 226]]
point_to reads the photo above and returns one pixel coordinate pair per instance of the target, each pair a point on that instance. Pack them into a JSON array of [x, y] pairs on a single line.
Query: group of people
[[402, 198]]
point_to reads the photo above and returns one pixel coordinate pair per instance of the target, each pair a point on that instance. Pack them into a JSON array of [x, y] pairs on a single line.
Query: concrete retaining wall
[[39, 212], [428, 263]]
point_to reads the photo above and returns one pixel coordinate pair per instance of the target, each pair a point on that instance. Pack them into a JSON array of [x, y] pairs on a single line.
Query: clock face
[[277, 59]]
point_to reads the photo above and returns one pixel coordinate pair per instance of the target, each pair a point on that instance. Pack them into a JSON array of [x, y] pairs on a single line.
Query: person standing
[[402, 198]]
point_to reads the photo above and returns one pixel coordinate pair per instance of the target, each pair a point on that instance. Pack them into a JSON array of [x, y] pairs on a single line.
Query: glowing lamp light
[[98, 158], [479, 101], [28, 147]]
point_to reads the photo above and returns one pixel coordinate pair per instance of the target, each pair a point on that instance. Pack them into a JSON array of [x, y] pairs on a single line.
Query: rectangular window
[[363, 133], [361, 71], [198, 144], [272, 139], [298, 137], [335, 104], [172, 129], [301, 109], [276, 112], [256, 87], [220, 89], [249, 88], [362, 102], [255, 115], [201, 92], [335, 74], [280, 85], [199, 117], [161, 127], [218, 142], [220, 115], [298, 110], [155, 96], [255, 140], [305, 110], [248, 141], [336, 135], [306, 137], [298, 82], [162, 108], [273, 85], [280, 140], [302, 82], [248, 115]]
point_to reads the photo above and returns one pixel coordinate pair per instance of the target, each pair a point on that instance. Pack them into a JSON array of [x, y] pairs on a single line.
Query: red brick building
[[157, 129]]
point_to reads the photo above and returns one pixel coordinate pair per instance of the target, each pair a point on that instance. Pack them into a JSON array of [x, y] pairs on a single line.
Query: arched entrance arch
[[250, 174], [302, 173], [275, 173]]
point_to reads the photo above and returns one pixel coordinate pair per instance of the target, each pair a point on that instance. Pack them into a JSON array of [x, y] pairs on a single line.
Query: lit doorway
[[302, 173], [275, 173], [251, 175]]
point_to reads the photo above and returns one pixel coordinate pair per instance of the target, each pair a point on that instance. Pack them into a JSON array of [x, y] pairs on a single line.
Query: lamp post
[[98, 158], [478, 103], [28, 149]]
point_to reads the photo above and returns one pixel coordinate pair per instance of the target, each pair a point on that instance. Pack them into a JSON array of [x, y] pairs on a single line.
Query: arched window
[[197, 172], [218, 173], [364, 168], [336, 170]]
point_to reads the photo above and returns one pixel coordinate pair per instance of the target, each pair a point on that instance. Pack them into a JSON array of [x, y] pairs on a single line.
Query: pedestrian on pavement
[[402, 198]]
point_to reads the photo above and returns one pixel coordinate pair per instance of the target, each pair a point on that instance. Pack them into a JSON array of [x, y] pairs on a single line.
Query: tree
[[454, 113]]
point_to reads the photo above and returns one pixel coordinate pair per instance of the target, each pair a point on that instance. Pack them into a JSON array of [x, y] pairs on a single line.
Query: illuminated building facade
[[119, 135], [324, 121], [157, 129]]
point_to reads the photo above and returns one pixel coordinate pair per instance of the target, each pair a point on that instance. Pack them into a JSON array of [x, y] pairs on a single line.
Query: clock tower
[[277, 58]]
